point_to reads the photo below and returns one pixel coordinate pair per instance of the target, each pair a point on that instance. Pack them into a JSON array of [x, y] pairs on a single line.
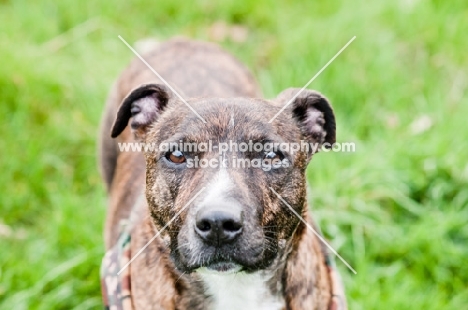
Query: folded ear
[[313, 113], [143, 104]]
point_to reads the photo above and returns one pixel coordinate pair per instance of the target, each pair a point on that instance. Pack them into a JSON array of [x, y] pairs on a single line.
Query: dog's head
[[220, 187]]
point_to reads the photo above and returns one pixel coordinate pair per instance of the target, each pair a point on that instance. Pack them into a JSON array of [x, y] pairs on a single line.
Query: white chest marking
[[234, 291]]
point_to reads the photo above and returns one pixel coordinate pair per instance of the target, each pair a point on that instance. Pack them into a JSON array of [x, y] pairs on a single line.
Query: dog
[[215, 238]]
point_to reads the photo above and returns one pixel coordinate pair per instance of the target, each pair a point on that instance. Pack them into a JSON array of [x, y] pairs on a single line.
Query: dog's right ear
[[144, 104]]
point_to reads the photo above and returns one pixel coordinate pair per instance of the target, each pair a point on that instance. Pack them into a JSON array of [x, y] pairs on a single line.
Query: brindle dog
[[236, 245]]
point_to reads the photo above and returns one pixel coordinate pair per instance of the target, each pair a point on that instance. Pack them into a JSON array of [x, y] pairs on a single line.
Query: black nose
[[217, 227]]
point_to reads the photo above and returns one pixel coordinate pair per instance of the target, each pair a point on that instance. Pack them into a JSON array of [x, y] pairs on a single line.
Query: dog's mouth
[[226, 264], [223, 267]]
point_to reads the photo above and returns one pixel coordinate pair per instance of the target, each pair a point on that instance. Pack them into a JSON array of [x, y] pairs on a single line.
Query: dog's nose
[[218, 227]]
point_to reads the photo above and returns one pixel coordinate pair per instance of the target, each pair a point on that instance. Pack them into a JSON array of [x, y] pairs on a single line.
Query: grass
[[396, 209]]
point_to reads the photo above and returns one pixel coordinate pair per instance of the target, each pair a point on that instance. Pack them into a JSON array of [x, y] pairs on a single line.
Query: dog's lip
[[223, 267]]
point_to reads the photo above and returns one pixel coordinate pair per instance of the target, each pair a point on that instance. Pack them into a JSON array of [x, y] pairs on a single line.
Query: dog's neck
[[231, 291]]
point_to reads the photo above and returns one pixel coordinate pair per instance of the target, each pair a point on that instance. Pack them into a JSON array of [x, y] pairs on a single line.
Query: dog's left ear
[[144, 104], [313, 114]]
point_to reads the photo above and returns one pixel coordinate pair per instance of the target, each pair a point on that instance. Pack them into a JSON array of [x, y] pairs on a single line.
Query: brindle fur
[[162, 276]]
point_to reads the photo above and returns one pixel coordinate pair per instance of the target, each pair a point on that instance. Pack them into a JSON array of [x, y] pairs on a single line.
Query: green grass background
[[396, 209]]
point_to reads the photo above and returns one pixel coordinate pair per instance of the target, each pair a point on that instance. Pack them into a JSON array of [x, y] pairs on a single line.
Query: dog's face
[[217, 197]]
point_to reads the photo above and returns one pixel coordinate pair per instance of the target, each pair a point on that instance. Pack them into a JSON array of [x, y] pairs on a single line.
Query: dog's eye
[[177, 157], [274, 155]]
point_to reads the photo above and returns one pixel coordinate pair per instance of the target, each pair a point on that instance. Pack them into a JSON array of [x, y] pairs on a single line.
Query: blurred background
[[396, 209]]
